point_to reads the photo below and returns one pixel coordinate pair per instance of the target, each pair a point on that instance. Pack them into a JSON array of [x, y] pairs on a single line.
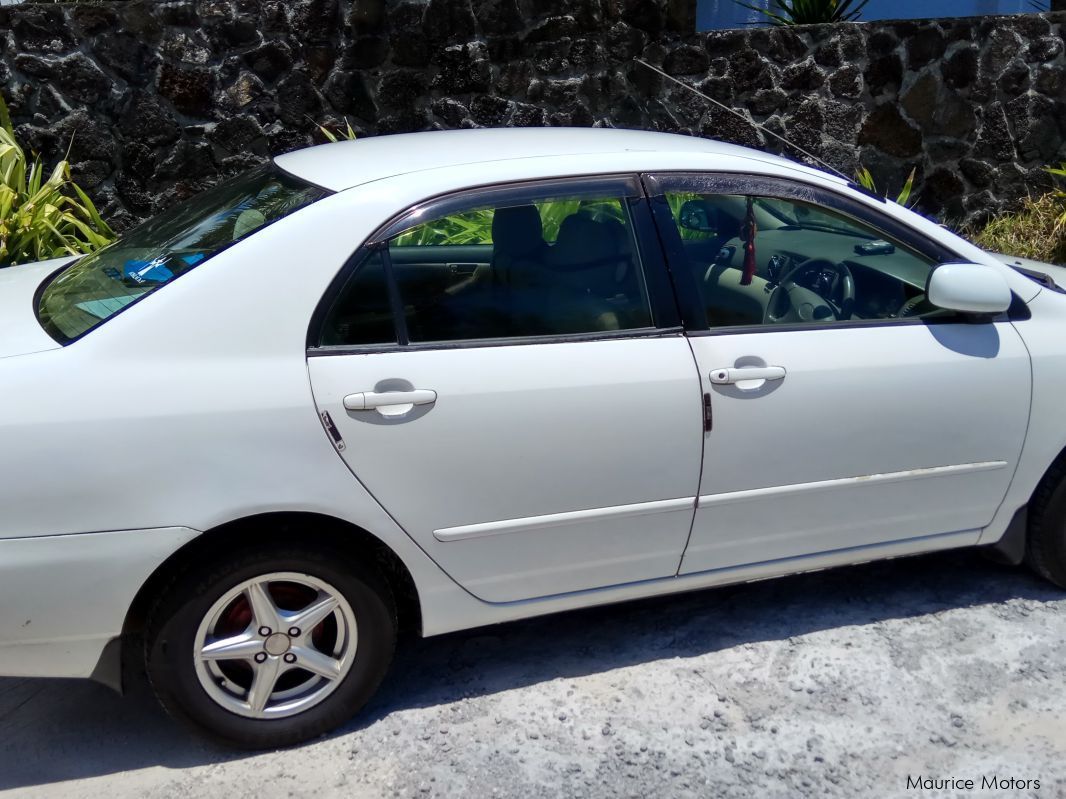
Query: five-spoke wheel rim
[[275, 645]]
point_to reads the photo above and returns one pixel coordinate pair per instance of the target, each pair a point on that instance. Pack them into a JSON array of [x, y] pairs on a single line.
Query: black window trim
[[465, 199], [696, 324], [513, 341], [629, 188], [399, 319]]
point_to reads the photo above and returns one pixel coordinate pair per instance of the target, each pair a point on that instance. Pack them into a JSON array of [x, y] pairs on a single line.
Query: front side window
[[546, 266], [764, 260], [145, 259]]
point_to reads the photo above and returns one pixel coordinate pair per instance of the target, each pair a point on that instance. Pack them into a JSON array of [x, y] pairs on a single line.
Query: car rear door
[[532, 427], [899, 424]]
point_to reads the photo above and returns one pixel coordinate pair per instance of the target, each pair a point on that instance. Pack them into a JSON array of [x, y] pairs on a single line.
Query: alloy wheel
[[275, 645]]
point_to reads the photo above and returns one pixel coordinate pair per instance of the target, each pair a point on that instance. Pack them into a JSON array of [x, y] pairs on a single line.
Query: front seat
[[518, 246], [503, 305], [585, 262]]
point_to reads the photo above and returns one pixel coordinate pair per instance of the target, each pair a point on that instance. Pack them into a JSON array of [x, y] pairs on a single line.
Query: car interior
[[519, 277], [810, 265]]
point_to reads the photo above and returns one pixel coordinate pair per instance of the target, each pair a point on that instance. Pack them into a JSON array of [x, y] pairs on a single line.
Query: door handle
[[730, 376], [389, 403], [462, 269]]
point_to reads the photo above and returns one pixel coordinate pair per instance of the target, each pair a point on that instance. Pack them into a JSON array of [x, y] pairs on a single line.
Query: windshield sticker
[[141, 272]]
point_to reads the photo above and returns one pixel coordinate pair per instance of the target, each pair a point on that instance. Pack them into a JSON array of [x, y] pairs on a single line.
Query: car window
[[98, 286], [475, 227], [760, 260], [361, 312], [548, 266]]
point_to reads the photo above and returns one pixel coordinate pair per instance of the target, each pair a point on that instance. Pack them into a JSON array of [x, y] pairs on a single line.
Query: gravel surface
[[838, 683]]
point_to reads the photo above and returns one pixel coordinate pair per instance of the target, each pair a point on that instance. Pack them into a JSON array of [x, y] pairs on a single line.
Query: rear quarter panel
[[193, 407]]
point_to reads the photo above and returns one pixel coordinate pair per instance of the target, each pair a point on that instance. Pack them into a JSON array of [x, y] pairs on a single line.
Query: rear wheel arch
[[273, 527]]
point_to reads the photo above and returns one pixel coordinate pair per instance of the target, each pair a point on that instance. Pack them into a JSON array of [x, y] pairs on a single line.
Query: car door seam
[[703, 455]]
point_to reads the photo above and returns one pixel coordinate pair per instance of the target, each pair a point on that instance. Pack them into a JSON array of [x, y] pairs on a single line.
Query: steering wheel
[[915, 306], [796, 300], [920, 306]]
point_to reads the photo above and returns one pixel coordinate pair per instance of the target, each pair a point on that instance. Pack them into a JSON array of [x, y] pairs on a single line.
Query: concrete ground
[[839, 683]]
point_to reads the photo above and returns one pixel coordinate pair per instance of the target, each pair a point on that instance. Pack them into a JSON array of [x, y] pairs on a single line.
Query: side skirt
[[494, 613]]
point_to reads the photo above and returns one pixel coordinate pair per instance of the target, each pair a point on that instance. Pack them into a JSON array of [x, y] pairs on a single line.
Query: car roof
[[345, 164]]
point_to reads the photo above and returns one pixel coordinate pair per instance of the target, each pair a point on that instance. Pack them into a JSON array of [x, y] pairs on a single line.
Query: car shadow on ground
[[57, 730]]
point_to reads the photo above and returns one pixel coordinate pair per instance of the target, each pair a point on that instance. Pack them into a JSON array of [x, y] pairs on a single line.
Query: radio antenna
[[745, 119]]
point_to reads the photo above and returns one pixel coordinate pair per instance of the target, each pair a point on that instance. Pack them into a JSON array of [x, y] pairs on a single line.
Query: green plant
[[866, 180], [42, 218], [808, 12], [469, 227], [1059, 195], [347, 134], [475, 227], [1034, 231]]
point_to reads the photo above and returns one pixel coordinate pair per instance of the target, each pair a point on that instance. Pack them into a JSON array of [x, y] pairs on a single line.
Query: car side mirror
[[694, 215], [968, 288]]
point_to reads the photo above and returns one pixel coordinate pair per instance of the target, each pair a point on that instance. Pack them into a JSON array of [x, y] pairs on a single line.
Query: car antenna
[[746, 120]]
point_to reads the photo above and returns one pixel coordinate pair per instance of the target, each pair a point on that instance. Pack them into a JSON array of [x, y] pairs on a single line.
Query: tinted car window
[[548, 266], [361, 314], [145, 259], [551, 266], [760, 260]]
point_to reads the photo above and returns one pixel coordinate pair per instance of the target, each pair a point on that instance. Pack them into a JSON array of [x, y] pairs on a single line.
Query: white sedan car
[[443, 380]]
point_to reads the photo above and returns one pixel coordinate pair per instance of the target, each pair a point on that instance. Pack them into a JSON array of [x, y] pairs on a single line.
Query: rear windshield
[[100, 285]]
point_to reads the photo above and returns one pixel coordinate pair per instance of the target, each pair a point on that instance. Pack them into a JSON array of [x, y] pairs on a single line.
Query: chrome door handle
[[389, 403], [730, 376]]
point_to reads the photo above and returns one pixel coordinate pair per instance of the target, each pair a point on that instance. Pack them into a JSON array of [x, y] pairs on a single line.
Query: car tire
[[278, 689], [1046, 543]]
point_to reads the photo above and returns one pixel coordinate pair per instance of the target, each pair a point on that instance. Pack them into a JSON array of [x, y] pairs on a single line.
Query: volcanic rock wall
[[158, 99]]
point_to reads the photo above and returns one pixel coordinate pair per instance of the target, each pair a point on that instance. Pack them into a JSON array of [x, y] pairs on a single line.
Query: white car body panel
[[604, 428], [65, 597], [869, 432], [19, 332], [535, 151], [1044, 439], [463, 615], [194, 408]]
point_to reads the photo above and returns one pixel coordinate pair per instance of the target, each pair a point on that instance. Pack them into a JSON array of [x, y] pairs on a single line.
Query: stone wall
[[160, 99]]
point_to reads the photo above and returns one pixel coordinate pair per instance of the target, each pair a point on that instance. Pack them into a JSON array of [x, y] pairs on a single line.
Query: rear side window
[[362, 312], [145, 259], [539, 266]]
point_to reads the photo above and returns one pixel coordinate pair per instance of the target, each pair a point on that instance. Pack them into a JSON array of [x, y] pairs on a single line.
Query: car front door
[[845, 410], [527, 418]]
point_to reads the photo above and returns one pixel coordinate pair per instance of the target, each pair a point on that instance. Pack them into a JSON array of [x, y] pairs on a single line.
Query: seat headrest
[[517, 231], [584, 242]]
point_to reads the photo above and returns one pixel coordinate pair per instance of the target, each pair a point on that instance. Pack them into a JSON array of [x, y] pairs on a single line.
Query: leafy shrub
[[1059, 195], [1035, 231], [348, 133], [809, 12], [42, 218], [866, 180], [475, 227]]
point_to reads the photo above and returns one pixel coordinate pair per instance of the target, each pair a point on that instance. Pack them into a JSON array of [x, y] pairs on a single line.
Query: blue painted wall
[[711, 14]]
